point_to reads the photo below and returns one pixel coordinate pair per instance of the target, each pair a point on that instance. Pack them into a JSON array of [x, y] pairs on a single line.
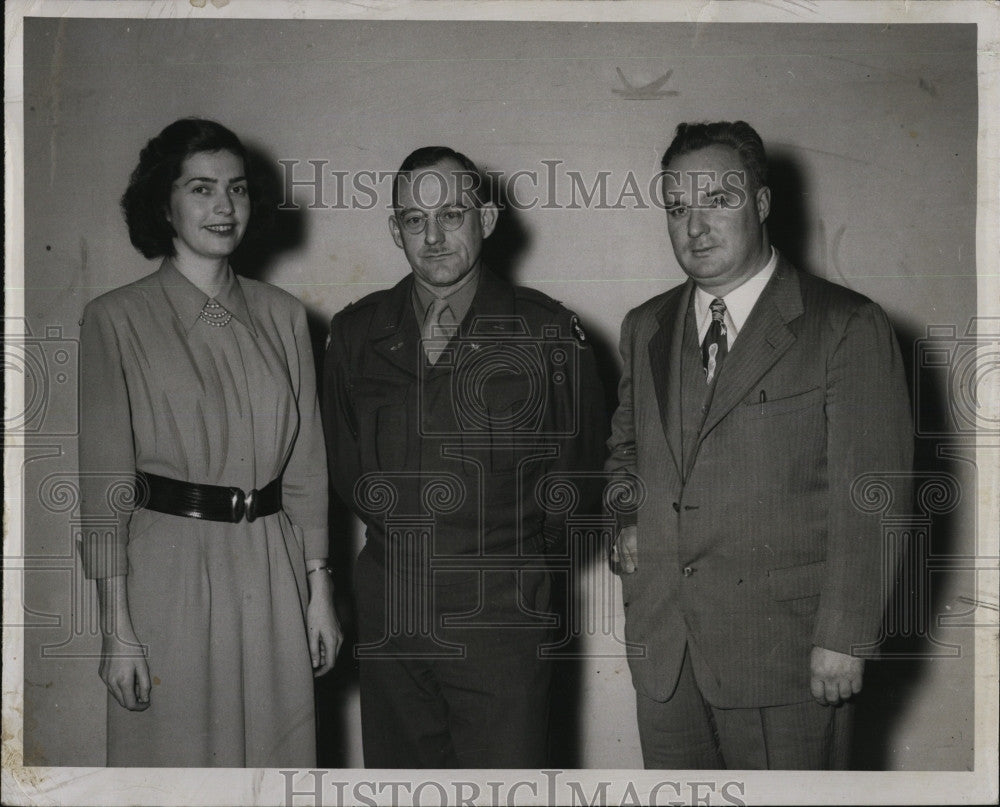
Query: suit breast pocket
[[761, 404]]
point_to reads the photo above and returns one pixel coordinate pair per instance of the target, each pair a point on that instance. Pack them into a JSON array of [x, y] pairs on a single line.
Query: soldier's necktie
[[716, 344], [433, 333]]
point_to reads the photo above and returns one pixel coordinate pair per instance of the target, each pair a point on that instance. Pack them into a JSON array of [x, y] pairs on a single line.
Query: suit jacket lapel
[[665, 366], [764, 339]]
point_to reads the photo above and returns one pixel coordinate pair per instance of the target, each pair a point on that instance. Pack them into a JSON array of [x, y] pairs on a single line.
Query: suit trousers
[[687, 733], [465, 689]]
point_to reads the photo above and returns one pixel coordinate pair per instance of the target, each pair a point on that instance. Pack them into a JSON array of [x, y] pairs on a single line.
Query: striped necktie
[[716, 344]]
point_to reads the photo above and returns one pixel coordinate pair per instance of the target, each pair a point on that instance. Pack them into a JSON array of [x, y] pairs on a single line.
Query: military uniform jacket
[[473, 449]]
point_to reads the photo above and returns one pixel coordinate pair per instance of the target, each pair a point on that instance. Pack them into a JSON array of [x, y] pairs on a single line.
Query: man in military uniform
[[453, 403]]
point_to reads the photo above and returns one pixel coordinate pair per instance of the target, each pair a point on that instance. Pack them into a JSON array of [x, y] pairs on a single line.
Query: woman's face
[[209, 205]]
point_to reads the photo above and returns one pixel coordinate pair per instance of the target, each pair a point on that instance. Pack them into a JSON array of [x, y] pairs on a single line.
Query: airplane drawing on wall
[[644, 92]]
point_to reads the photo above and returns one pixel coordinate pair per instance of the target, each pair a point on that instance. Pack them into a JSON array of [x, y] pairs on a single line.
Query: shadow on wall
[[787, 225], [943, 480], [276, 230], [504, 252], [893, 680]]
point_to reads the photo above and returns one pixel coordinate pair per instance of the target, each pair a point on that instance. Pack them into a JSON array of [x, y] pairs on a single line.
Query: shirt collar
[[739, 302], [459, 296], [188, 300]]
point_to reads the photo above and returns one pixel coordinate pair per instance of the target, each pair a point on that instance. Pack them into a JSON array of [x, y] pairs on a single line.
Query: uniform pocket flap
[[795, 582]]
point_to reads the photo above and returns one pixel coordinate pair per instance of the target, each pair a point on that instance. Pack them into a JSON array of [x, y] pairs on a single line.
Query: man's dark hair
[[738, 135], [147, 197], [431, 155]]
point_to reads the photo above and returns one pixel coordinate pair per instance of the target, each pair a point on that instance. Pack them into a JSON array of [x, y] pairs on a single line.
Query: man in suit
[[752, 397], [450, 402]]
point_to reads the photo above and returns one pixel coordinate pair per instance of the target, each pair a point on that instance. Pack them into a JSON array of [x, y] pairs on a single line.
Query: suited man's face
[[716, 224]]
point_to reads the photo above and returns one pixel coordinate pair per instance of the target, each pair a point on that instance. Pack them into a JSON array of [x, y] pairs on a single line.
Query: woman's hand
[[325, 635], [123, 661], [125, 672]]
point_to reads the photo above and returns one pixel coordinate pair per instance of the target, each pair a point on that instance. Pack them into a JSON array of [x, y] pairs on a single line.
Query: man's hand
[[835, 677], [625, 550]]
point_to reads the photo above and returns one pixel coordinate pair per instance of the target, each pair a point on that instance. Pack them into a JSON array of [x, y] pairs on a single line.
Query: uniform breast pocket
[[763, 405], [510, 421], [381, 410]]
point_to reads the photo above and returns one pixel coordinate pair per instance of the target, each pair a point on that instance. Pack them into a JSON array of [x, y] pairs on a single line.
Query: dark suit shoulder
[[832, 301], [832, 293], [654, 305]]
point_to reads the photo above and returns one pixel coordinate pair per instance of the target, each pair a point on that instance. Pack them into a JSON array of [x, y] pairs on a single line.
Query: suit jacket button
[[688, 571], [677, 507]]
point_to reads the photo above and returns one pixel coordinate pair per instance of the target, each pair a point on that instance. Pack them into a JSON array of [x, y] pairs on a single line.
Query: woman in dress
[[198, 387]]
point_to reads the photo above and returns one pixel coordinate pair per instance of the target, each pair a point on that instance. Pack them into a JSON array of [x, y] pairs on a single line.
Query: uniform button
[[688, 571], [677, 507]]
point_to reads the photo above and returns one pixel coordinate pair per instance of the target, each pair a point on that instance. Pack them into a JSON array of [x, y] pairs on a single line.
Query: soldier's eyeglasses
[[448, 218]]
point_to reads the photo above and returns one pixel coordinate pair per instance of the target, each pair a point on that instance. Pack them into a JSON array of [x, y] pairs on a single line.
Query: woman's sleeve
[[106, 448], [304, 488]]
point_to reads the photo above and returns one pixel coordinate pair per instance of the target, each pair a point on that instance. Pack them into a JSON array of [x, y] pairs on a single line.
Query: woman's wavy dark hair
[[147, 196]]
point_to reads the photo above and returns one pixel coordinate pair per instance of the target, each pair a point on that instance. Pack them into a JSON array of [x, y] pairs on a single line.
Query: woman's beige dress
[[220, 607]]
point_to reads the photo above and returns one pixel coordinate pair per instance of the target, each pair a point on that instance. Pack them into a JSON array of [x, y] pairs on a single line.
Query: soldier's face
[[437, 197], [715, 220]]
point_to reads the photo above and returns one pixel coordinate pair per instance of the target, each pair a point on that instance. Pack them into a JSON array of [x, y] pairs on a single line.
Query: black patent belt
[[210, 502]]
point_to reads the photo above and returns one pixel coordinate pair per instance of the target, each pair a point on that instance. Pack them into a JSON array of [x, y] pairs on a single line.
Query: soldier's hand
[[835, 677], [625, 550]]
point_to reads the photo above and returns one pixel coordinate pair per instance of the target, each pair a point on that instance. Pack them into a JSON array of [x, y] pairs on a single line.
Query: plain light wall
[[872, 134]]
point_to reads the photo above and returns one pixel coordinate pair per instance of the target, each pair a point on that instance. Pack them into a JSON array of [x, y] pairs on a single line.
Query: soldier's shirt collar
[[459, 296]]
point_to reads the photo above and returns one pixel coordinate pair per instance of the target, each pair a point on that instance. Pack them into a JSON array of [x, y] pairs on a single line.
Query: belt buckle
[[237, 504], [251, 505]]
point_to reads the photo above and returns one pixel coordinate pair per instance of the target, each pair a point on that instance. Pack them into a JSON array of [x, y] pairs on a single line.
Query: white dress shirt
[[739, 303]]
